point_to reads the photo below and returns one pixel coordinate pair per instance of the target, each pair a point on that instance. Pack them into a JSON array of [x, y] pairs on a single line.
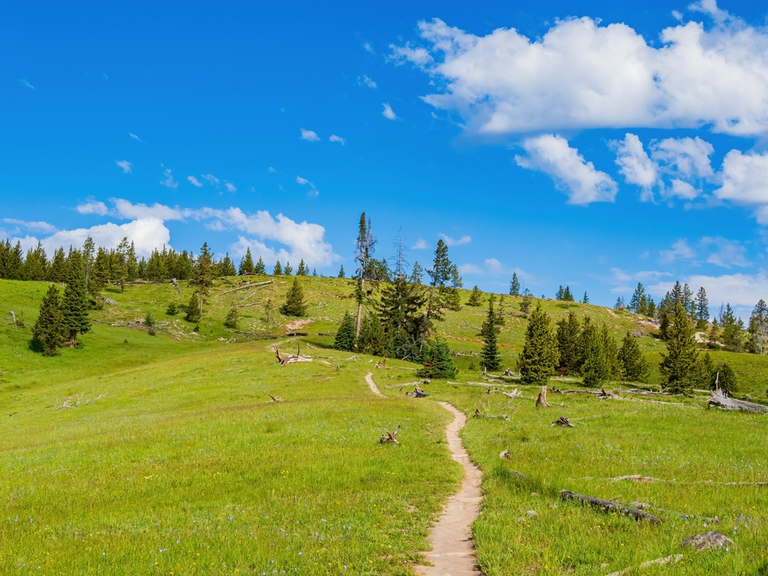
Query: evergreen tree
[[732, 330], [489, 323], [183, 268], [341, 273], [595, 369], [501, 319], [525, 305], [233, 317], [246, 264], [714, 332], [568, 342], [277, 270], [372, 339], [475, 298], [287, 269], [364, 248], [610, 352], [14, 263], [47, 333], [539, 358], [758, 328], [120, 264], [702, 309], [417, 274], [402, 315], [314, 272], [567, 295], [635, 303], [585, 300], [619, 303], [131, 264], [678, 364], [100, 272], [203, 274], [440, 274], [726, 378], [141, 269], [650, 308], [634, 367], [294, 300], [75, 304], [227, 266], [260, 269], [36, 264], [156, 270], [89, 249], [643, 307], [193, 309], [514, 285], [302, 269], [437, 360], [345, 335], [490, 352], [704, 373], [58, 266], [453, 296], [560, 293]]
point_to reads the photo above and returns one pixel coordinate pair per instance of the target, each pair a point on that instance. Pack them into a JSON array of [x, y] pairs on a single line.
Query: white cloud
[[368, 47], [686, 158], [23, 82], [338, 139], [680, 250], [625, 283], [39, 225], [229, 187], [454, 242], [581, 74], [194, 181], [302, 181], [635, 164], [492, 267], [744, 179], [169, 181], [314, 193], [125, 165], [680, 189], [421, 244], [271, 170], [742, 291], [365, 80], [577, 178], [132, 135], [729, 252], [309, 135], [126, 209], [92, 208], [388, 113], [470, 269], [211, 179]]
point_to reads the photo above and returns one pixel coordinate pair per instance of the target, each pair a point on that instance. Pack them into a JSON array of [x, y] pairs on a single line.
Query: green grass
[[175, 461]]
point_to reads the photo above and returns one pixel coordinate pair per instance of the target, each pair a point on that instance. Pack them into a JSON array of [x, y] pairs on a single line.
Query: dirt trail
[[453, 553], [372, 384]]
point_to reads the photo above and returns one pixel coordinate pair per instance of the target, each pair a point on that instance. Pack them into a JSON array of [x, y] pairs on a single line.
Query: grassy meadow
[[170, 457]]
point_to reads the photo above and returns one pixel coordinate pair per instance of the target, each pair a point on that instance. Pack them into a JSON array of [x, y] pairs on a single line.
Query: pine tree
[[634, 367], [595, 369], [758, 328], [402, 315], [14, 263], [36, 264], [567, 295], [294, 300], [120, 264], [89, 249], [525, 305], [287, 269], [314, 272], [560, 295], [501, 319], [475, 298], [183, 268], [203, 274], [610, 352], [75, 304], [726, 378], [100, 272], [568, 341], [364, 248], [585, 300], [539, 357], [341, 272], [437, 360], [678, 364], [246, 264], [702, 309], [514, 285], [131, 264], [277, 270], [58, 266], [47, 333], [260, 269], [453, 296], [635, 303], [490, 352], [345, 335], [302, 269], [619, 303], [650, 309], [233, 317], [417, 274], [193, 309], [488, 322], [372, 339], [704, 373], [732, 330], [440, 275], [227, 267]]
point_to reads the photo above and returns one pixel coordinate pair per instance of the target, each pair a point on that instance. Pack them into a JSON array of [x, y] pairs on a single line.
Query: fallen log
[[290, 358], [608, 505], [254, 285], [479, 414], [390, 436], [563, 421], [649, 563], [513, 394], [718, 399]]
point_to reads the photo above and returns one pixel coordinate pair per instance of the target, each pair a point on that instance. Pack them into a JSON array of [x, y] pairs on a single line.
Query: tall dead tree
[[363, 250]]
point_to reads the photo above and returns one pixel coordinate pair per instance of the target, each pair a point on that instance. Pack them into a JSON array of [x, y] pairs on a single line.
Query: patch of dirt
[[372, 385], [296, 325], [452, 550]]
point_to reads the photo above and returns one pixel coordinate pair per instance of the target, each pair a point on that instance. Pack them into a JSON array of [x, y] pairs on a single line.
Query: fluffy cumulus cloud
[[455, 241], [679, 250], [744, 181], [309, 135], [577, 178], [582, 74], [338, 139], [388, 113], [727, 252], [92, 208], [634, 163]]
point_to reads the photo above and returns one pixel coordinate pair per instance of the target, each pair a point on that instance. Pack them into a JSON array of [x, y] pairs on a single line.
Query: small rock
[[109, 302], [531, 513], [505, 454], [707, 541]]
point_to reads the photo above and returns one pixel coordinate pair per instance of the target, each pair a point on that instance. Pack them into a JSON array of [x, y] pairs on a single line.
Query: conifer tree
[[595, 369], [610, 352], [417, 274], [650, 309], [585, 300], [567, 294], [476, 297], [36, 264], [246, 264], [294, 300], [634, 367], [193, 309], [437, 360], [89, 249], [732, 330], [677, 365], [233, 317], [560, 295], [287, 269], [314, 272], [227, 266], [539, 357], [100, 272], [726, 378], [487, 323], [514, 285], [704, 372], [345, 335], [525, 305], [619, 303], [637, 296], [702, 309], [259, 269], [402, 315], [203, 274], [341, 273], [491, 358], [58, 266], [440, 275], [277, 270], [453, 296], [372, 339], [120, 264], [183, 269], [501, 319], [14, 264], [47, 333], [568, 341], [302, 269], [364, 248], [75, 304], [758, 328]]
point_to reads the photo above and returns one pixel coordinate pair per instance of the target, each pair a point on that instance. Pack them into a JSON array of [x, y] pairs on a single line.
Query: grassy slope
[[183, 433]]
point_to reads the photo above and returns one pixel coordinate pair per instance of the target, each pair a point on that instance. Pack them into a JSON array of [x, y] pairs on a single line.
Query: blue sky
[[595, 146]]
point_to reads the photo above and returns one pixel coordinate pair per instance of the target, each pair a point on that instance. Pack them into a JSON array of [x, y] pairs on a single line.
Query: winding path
[[453, 553]]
